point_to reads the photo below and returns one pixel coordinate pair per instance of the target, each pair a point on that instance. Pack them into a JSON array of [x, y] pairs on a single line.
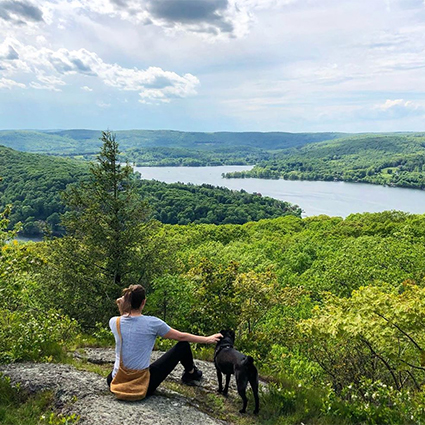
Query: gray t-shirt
[[138, 335]]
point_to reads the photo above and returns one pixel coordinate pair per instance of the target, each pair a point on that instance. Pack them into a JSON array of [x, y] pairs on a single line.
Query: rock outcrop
[[86, 393]]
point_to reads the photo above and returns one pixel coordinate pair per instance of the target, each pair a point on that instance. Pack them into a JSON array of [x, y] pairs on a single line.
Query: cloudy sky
[[213, 65]]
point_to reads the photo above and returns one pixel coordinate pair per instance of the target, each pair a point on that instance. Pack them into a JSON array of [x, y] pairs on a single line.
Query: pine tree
[[107, 212], [106, 225]]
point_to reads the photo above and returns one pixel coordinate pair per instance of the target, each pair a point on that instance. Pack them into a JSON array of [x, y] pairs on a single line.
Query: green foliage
[[375, 334], [34, 183], [102, 335], [106, 212], [309, 326], [196, 157], [287, 403], [214, 296], [15, 406], [179, 203], [106, 225], [379, 404], [169, 300], [255, 293], [59, 419], [388, 159], [332, 310], [365, 260], [28, 329], [34, 335], [5, 235], [170, 143]]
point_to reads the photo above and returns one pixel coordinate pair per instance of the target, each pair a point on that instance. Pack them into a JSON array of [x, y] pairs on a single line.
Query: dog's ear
[[232, 334], [223, 332]]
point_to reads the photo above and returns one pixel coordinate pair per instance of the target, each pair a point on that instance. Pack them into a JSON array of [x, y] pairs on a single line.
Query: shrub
[[25, 335]]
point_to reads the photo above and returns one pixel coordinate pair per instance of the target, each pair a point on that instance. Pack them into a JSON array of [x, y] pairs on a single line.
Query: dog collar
[[222, 347]]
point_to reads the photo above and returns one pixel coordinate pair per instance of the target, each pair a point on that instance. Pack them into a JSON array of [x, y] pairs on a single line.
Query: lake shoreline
[[315, 197], [264, 178]]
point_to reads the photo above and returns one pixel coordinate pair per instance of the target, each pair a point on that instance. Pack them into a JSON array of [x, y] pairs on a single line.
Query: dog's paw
[[242, 411], [256, 411], [225, 393]]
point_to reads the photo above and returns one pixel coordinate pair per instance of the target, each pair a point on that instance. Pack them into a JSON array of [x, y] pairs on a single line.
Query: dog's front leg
[[220, 380], [226, 387]]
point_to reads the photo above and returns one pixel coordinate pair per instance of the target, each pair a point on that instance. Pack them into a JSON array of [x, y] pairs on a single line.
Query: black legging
[[161, 368]]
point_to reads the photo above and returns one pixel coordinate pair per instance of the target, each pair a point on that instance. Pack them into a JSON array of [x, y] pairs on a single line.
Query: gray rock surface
[[64, 380], [87, 395], [155, 410]]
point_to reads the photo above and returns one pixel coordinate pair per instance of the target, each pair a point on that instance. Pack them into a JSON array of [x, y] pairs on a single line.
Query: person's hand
[[119, 301], [213, 339]]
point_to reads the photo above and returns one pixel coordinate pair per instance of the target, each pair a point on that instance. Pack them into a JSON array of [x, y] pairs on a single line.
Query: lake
[[314, 197]]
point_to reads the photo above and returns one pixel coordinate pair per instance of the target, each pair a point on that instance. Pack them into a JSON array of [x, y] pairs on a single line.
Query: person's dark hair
[[134, 296]]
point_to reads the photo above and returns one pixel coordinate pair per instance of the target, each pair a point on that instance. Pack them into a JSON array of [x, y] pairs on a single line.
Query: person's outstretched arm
[[184, 336]]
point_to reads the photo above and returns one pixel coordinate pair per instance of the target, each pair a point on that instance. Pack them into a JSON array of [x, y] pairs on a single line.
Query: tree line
[[33, 185], [394, 160]]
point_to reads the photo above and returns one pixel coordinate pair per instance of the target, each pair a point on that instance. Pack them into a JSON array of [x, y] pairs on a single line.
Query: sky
[[213, 65]]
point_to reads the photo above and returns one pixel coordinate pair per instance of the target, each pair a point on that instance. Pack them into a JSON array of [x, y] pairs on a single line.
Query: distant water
[[24, 239], [314, 197]]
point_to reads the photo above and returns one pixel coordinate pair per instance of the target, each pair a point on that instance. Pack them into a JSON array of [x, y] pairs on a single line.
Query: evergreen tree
[[106, 211], [106, 224]]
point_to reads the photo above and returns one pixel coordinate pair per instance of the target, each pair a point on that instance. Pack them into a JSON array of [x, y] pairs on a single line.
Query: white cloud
[[51, 66], [396, 109], [102, 104], [7, 52], [41, 40], [86, 88], [402, 61], [397, 104], [47, 82], [10, 84]]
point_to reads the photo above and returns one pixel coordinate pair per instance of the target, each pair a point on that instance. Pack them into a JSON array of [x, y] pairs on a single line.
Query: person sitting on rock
[[138, 333]]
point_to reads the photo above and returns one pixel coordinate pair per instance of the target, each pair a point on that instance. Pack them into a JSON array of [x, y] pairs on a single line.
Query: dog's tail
[[248, 361]]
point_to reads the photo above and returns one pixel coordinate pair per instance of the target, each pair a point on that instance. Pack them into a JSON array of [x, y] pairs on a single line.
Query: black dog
[[229, 361]]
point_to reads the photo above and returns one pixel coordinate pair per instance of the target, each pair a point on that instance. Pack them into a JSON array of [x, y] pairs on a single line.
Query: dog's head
[[228, 338]]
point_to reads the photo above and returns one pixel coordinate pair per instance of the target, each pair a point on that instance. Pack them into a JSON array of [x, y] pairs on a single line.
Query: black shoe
[[190, 378]]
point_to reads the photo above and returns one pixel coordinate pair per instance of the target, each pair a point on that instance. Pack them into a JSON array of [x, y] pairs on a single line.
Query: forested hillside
[[395, 160], [32, 184], [81, 141], [164, 147], [178, 203]]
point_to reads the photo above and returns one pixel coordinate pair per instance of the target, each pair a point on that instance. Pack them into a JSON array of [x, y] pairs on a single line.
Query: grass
[[79, 364], [278, 406], [18, 407]]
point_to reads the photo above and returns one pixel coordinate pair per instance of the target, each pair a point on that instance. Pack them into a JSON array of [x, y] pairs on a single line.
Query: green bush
[[28, 336], [378, 404]]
